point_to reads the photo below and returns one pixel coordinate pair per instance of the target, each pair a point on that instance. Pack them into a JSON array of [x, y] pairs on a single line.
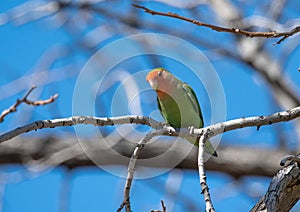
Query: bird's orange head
[[160, 80]]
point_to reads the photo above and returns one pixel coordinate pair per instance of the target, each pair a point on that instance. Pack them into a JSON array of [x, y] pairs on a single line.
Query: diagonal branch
[[272, 34], [132, 163], [13, 108], [283, 192]]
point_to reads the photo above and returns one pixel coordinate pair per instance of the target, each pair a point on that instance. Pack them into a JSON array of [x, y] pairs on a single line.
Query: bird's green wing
[[159, 106], [161, 110], [193, 98]]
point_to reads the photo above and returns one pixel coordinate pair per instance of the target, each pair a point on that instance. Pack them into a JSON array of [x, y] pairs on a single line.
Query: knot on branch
[[289, 159]]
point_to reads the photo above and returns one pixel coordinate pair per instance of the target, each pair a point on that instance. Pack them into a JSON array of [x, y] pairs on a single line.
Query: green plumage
[[178, 103]]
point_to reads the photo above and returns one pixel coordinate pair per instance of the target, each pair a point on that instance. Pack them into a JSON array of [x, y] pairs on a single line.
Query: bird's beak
[[153, 84]]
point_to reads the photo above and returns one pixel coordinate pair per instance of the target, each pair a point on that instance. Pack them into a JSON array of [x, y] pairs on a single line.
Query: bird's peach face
[[160, 81], [157, 78]]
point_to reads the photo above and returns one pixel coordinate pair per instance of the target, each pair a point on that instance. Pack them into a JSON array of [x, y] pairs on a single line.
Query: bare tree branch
[[273, 34], [164, 208], [202, 175], [13, 108], [291, 158], [283, 191], [257, 121], [204, 133], [132, 163], [74, 120], [213, 130]]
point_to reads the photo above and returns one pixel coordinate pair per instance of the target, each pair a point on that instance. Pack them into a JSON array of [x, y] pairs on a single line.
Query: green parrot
[[177, 103]]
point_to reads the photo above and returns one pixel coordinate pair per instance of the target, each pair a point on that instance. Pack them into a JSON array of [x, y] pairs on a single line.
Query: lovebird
[[177, 103]]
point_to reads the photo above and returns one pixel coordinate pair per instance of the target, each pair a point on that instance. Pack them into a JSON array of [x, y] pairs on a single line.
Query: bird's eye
[[160, 73]]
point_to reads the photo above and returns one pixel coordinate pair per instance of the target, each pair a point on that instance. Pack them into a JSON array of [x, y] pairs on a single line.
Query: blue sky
[[93, 189]]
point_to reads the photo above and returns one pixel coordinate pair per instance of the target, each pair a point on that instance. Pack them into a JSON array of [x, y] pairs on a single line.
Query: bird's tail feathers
[[207, 148]]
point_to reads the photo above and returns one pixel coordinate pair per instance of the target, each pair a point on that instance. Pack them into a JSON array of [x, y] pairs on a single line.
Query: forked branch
[[13, 108]]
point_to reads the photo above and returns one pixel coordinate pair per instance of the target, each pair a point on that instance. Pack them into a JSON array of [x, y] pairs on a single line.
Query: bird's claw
[[170, 129]]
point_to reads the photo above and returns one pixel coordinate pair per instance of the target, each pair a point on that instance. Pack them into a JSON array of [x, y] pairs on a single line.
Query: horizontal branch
[[272, 34], [212, 130], [256, 121], [74, 120]]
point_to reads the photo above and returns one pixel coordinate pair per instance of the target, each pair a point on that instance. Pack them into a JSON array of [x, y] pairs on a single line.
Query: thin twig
[[272, 34], [164, 208], [13, 108], [41, 102], [202, 175]]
